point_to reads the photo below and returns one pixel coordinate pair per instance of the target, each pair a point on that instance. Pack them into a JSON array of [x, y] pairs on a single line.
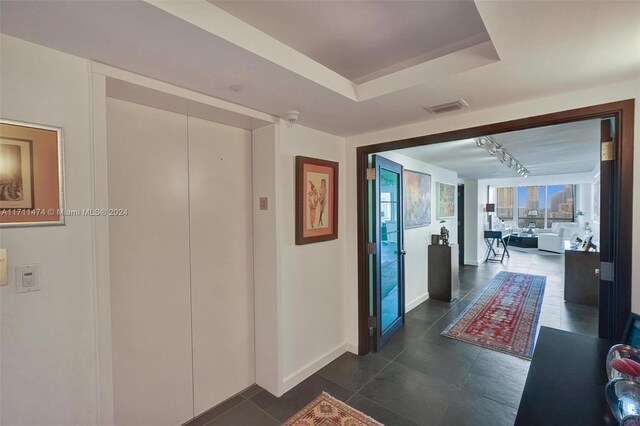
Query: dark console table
[[566, 380], [490, 237], [581, 284]]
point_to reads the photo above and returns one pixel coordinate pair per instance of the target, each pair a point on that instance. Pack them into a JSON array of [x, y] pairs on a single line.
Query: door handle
[[403, 252]]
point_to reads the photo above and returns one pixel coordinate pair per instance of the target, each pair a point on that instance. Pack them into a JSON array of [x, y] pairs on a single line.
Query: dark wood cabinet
[[581, 284], [442, 264]]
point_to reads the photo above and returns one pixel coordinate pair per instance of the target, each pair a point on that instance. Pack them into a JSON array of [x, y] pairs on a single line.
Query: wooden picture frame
[[31, 175], [316, 200], [416, 199], [446, 196], [631, 334]]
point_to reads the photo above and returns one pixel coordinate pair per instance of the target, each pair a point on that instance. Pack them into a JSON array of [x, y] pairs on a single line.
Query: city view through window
[[537, 204]]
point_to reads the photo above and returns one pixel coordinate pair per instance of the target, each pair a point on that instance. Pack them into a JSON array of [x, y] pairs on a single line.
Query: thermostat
[[27, 278]]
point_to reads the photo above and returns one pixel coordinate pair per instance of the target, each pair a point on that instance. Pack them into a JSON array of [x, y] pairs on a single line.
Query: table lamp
[[490, 208]]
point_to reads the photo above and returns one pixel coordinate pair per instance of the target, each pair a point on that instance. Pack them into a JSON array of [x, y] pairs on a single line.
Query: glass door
[[387, 235]]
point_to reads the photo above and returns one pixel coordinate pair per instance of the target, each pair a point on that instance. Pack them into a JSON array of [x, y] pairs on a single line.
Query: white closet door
[[221, 261], [149, 253]]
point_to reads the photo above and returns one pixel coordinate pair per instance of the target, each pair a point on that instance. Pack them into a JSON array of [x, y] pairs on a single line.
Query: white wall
[[526, 108], [48, 361], [312, 276], [471, 211], [416, 240], [266, 259]]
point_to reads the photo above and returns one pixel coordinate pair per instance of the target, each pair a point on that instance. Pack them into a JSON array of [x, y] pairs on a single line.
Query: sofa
[[553, 239]]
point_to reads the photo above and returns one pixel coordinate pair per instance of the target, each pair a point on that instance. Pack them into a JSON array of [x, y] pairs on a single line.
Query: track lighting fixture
[[497, 150]]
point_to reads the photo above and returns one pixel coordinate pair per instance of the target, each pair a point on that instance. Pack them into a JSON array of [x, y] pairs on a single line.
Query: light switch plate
[[4, 280], [27, 278], [264, 203]]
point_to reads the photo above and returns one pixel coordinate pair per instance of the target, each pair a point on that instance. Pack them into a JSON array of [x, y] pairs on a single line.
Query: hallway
[[421, 377]]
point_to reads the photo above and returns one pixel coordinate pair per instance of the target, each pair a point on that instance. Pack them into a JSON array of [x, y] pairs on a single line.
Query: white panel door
[[149, 255], [221, 261]]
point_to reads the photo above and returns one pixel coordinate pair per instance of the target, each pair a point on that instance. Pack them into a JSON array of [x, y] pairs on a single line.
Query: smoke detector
[[291, 116], [448, 107]]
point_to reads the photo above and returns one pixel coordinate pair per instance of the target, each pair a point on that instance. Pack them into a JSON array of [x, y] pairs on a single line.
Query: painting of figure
[[16, 184], [316, 200]]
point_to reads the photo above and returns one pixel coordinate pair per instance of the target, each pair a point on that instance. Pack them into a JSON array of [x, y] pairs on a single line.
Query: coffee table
[[524, 240]]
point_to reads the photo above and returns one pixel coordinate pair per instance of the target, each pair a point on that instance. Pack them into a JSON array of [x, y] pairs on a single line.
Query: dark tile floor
[[421, 377]]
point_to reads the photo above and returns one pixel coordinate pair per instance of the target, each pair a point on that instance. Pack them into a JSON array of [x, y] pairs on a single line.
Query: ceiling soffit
[[466, 54]]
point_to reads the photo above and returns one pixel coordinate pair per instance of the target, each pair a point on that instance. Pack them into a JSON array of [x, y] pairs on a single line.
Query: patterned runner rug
[[505, 316], [325, 410]]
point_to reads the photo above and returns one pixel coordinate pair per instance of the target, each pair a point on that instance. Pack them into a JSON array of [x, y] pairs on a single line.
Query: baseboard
[[293, 379], [471, 263], [416, 302], [352, 348]]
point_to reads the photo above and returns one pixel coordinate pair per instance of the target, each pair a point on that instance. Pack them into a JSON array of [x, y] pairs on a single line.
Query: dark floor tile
[[291, 402], [428, 312], [216, 411], [378, 412], [588, 328], [449, 362], [352, 371], [470, 409], [250, 391], [244, 414], [399, 342], [498, 377], [420, 398]]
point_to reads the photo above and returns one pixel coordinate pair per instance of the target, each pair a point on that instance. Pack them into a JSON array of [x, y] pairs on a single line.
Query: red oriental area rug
[[328, 411], [505, 316]]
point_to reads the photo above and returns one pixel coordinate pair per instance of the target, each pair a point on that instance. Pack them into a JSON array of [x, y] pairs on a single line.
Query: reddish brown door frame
[[622, 111]]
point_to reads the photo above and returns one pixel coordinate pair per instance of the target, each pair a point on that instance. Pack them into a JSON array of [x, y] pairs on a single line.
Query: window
[[560, 204], [531, 206], [544, 205], [504, 205]]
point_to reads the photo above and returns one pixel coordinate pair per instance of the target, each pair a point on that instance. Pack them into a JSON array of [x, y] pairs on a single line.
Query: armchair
[[553, 241]]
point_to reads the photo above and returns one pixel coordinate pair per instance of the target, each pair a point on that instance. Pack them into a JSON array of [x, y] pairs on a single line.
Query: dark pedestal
[[443, 281], [581, 284], [566, 380]]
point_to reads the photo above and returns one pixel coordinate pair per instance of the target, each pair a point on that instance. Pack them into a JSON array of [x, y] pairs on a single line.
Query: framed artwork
[[631, 334], [316, 200], [31, 175], [446, 195], [417, 199]]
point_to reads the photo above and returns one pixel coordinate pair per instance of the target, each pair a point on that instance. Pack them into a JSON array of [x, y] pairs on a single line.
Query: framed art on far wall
[[31, 175], [446, 196], [417, 199], [316, 200]]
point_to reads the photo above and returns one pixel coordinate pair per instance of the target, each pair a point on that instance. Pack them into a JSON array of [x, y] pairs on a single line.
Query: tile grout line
[[264, 411]]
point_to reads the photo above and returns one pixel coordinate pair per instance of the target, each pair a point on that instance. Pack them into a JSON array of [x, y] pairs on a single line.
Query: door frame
[[622, 111]]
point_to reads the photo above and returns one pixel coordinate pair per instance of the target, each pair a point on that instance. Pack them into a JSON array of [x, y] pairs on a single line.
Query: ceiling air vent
[[448, 107]]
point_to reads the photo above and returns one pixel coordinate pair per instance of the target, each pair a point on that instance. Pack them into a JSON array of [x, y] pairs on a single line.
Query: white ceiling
[[560, 149], [359, 38], [543, 48]]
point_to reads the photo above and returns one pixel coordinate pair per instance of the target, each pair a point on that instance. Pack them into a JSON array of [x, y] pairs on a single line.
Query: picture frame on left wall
[[316, 200], [31, 174]]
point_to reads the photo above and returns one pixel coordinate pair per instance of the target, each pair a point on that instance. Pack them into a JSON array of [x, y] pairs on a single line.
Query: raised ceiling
[[362, 40], [544, 48], [552, 150]]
